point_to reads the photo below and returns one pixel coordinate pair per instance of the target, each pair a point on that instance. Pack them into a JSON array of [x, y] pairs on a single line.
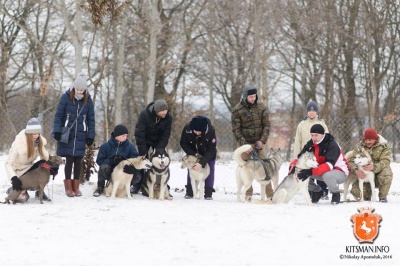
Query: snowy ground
[[100, 231]]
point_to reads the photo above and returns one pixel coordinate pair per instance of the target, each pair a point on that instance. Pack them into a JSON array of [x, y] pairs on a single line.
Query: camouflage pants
[[383, 180], [268, 189]]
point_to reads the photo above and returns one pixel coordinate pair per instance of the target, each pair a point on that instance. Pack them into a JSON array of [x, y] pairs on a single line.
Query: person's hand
[[368, 167], [129, 169], [304, 174], [360, 174], [259, 145], [57, 136], [89, 141], [292, 166], [117, 159], [197, 167]]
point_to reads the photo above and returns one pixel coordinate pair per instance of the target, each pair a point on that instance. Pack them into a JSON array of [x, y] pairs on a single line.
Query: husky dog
[[362, 158], [250, 170], [291, 185], [36, 178], [121, 181], [196, 177], [158, 175]]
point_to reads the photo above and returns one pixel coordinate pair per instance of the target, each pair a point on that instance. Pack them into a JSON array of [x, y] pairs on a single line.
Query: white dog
[[247, 171], [361, 159], [291, 185], [197, 178], [121, 181]]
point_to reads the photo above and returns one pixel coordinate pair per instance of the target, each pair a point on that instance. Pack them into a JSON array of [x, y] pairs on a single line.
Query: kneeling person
[[111, 153]]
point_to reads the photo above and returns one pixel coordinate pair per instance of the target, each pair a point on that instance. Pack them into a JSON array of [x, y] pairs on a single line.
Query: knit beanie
[[199, 123], [317, 128], [33, 126], [370, 133], [80, 82], [120, 130], [160, 105], [249, 90], [312, 106]]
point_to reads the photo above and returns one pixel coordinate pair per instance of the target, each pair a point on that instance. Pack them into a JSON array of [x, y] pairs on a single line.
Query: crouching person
[[333, 167], [198, 138], [111, 153], [378, 148]]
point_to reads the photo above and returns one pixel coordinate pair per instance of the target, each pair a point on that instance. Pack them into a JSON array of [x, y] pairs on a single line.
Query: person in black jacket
[[152, 130], [198, 137], [111, 153]]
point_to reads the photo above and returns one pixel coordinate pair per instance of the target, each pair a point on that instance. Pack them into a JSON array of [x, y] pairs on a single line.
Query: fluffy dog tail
[[237, 154], [16, 183]]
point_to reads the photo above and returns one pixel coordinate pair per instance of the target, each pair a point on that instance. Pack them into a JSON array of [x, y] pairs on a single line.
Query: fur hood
[[18, 162], [381, 141]]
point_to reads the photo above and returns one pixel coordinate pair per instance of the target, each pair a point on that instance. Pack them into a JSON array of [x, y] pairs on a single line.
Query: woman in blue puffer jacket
[[75, 101]]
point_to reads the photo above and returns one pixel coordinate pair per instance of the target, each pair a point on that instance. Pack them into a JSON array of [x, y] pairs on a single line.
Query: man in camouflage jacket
[[250, 125], [380, 152]]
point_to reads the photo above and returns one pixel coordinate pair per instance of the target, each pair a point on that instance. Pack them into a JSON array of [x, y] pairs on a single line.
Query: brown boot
[[249, 194], [75, 188], [68, 188]]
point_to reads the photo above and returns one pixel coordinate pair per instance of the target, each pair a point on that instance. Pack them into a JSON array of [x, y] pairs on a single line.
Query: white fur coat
[[17, 162]]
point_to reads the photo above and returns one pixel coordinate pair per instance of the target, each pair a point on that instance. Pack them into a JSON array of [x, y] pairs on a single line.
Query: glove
[[89, 141], [129, 169], [117, 159], [57, 136], [292, 166], [304, 174]]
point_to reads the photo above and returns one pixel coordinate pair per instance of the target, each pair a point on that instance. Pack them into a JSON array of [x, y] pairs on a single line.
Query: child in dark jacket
[[198, 138], [111, 153]]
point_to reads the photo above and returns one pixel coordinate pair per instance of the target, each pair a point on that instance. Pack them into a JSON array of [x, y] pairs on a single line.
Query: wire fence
[[347, 132]]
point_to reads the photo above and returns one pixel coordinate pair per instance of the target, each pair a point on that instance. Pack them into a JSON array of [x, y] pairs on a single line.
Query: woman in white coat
[[26, 148]]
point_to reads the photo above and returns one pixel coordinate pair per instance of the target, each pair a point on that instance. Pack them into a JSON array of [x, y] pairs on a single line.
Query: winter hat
[[370, 133], [199, 123], [249, 90], [120, 130], [317, 128], [80, 82], [312, 106], [33, 126], [160, 105]]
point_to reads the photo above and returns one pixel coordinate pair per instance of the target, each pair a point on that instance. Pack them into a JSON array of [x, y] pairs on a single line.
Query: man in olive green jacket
[[250, 125], [380, 152]]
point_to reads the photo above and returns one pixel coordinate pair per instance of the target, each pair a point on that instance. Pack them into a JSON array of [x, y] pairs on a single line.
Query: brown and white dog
[[36, 178], [121, 181]]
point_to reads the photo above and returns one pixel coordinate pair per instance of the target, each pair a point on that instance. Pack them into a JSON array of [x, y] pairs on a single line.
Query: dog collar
[[46, 166]]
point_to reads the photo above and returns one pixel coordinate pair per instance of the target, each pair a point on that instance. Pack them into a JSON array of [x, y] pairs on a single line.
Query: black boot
[[315, 196], [189, 192], [335, 198], [208, 193]]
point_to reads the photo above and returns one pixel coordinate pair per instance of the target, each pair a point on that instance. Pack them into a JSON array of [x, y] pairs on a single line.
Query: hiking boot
[[383, 200], [208, 193], [316, 196], [325, 196], [98, 192], [189, 192], [44, 196], [144, 193], [134, 190], [335, 198]]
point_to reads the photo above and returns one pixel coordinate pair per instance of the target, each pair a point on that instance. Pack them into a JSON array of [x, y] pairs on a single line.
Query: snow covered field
[[100, 231]]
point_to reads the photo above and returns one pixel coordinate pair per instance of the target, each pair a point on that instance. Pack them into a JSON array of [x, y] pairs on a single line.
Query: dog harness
[[256, 157]]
